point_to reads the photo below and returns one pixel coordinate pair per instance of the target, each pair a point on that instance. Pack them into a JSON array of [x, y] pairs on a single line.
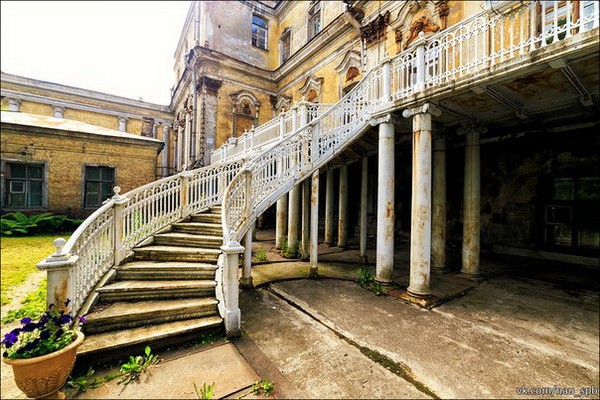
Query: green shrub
[[364, 277], [34, 306], [19, 224], [261, 254]]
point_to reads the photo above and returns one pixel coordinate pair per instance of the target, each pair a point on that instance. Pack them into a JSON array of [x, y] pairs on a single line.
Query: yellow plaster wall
[[37, 108], [66, 157], [104, 120], [134, 126]]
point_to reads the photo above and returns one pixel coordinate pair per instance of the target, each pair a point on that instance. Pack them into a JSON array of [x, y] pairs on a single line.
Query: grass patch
[[34, 306], [19, 257]]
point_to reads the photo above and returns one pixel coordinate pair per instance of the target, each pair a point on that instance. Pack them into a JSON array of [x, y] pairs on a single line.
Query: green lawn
[[19, 257]]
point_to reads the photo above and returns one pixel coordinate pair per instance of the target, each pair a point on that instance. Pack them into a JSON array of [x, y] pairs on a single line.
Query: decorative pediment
[[351, 59], [245, 102], [311, 89], [415, 17], [282, 102]]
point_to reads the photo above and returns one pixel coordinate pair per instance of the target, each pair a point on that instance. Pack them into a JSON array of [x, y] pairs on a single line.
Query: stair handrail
[[109, 234], [263, 136]]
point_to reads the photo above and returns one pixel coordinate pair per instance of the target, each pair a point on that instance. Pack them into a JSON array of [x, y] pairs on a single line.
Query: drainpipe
[[354, 22], [194, 107]]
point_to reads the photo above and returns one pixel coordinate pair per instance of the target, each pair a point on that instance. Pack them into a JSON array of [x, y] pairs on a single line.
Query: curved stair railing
[[107, 236], [297, 143], [455, 55], [264, 136]]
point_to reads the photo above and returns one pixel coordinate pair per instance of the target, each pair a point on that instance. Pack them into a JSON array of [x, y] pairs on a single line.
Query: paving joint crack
[[397, 368]]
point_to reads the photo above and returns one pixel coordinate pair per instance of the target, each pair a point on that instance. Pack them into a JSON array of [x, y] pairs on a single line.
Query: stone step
[[145, 335], [156, 290], [209, 218], [198, 228], [176, 253], [126, 315], [156, 270], [188, 240]]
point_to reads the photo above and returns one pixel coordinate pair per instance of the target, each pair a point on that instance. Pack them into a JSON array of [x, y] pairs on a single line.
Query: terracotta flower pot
[[43, 376]]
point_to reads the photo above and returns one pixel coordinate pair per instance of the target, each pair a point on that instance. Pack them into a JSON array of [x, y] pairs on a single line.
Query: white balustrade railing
[[476, 44], [267, 134], [105, 238], [298, 142]]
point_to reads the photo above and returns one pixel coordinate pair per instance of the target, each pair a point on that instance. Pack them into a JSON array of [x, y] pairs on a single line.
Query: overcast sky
[[118, 47]]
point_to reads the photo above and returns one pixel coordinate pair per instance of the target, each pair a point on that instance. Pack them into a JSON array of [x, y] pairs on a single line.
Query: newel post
[[186, 210], [119, 223], [231, 253], [420, 61], [57, 267], [387, 79], [282, 124]]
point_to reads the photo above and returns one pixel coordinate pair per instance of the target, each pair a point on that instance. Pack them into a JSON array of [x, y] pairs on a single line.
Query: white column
[[438, 223], [420, 230], [472, 199], [305, 242], [329, 208], [246, 281], [179, 147], [281, 220], [165, 156], [314, 224], [187, 135], [385, 204], [232, 318], [293, 216], [363, 209], [343, 208]]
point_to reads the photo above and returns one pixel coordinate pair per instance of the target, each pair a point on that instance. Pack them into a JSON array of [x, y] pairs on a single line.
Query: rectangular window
[[285, 46], [25, 185], [259, 32], [314, 20], [99, 183]]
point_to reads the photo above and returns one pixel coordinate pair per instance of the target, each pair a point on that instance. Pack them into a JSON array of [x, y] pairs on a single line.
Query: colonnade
[[297, 213]]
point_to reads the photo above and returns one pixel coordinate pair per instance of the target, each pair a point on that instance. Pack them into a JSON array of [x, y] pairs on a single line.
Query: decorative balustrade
[[267, 134], [477, 44], [111, 232], [298, 142]]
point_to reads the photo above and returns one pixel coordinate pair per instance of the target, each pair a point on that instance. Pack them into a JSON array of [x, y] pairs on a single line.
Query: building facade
[[78, 144], [539, 184]]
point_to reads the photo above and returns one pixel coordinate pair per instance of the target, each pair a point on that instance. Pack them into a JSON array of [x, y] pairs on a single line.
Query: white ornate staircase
[[174, 242]]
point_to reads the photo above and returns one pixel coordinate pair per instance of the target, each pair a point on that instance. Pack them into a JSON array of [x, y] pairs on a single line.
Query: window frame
[[263, 29], [287, 34], [310, 17], [6, 183], [84, 182]]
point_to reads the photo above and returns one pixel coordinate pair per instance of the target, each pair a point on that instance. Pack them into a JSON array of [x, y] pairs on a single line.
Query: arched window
[[245, 111]]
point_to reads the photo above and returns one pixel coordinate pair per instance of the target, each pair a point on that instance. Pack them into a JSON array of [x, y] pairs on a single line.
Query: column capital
[[422, 109], [471, 126], [59, 111], [380, 120]]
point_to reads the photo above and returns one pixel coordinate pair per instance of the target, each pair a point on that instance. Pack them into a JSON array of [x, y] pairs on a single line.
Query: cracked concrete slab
[[485, 345], [312, 357]]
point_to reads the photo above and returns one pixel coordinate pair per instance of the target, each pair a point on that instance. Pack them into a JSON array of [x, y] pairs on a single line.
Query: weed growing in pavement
[[263, 387], [137, 365], [261, 254], [206, 392]]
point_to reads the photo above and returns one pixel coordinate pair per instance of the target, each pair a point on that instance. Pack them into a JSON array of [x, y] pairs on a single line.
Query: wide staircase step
[[176, 253], [130, 290], [156, 270], [145, 335], [125, 315], [198, 228], [209, 218], [164, 296], [188, 240]]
